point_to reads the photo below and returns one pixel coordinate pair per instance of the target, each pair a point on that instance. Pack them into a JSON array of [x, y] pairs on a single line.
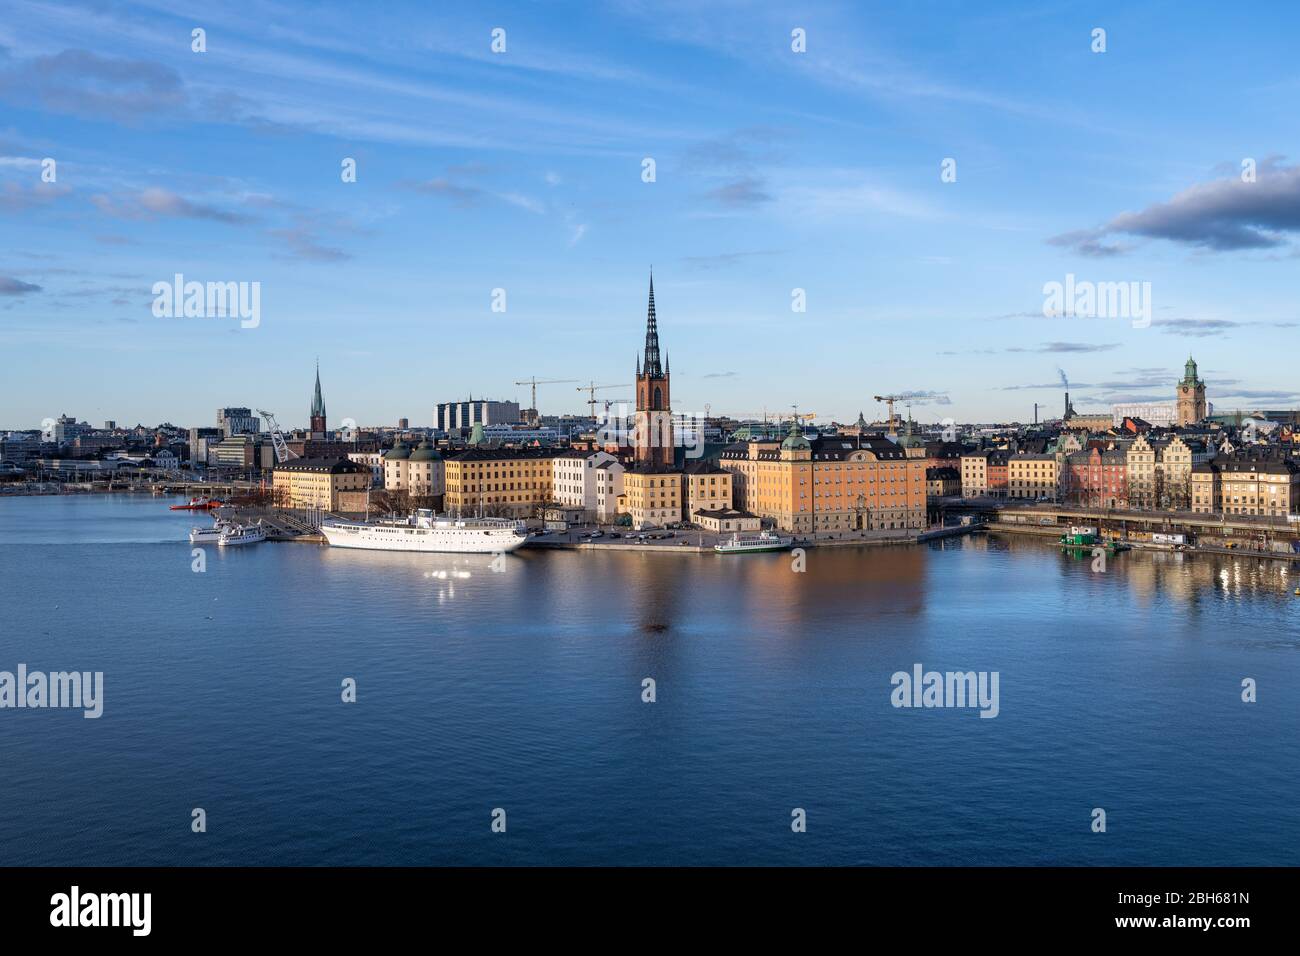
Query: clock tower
[[1191, 396]]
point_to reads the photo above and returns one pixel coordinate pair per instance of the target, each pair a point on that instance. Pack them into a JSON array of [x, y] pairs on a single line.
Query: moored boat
[[234, 535], [208, 535], [425, 531], [743, 543], [1085, 537], [199, 503]]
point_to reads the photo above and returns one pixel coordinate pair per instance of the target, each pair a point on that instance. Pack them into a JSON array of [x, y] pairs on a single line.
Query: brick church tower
[[654, 417]]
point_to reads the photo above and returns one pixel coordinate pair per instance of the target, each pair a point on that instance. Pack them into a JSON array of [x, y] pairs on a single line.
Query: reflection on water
[[521, 687], [1180, 576]]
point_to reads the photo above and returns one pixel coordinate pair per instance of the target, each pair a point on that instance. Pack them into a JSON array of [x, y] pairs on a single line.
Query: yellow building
[[332, 484], [1033, 476], [652, 495], [708, 488], [506, 482], [830, 486], [1207, 489]]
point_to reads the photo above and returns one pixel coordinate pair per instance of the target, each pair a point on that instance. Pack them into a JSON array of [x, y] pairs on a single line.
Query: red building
[[1097, 478]]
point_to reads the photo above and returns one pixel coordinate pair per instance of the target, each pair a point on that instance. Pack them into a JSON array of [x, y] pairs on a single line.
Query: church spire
[[317, 401], [653, 367]]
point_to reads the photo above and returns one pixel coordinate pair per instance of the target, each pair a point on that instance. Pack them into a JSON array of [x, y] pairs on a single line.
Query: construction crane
[[535, 381], [889, 402], [282, 452], [592, 389]]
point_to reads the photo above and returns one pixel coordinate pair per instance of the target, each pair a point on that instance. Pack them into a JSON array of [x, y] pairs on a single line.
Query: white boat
[[763, 541], [425, 531], [208, 535], [240, 534]]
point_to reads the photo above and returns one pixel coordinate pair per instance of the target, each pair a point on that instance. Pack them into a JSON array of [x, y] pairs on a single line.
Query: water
[[522, 690]]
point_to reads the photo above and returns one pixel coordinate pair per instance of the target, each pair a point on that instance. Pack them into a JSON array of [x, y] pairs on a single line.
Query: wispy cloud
[[157, 202]]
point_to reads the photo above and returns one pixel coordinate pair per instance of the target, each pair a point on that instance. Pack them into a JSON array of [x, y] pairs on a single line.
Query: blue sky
[[522, 170]]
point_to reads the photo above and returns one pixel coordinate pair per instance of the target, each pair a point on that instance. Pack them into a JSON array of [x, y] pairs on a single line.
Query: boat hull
[[440, 541], [753, 545]]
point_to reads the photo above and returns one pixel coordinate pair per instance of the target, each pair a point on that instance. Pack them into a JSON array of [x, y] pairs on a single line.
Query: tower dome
[[795, 440], [400, 451], [425, 452]]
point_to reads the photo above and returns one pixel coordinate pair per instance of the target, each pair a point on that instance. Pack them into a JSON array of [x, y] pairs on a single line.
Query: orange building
[[829, 486]]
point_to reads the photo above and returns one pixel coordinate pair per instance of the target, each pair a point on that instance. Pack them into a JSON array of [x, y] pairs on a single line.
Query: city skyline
[[523, 171]]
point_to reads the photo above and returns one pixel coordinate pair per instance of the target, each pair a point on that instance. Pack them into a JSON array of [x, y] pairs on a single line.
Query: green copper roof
[[426, 452], [795, 440]]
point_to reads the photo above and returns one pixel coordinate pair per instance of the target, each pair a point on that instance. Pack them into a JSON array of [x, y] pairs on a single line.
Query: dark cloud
[[446, 189], [155, 202], [1196, 328], [1261, 395], [1046, 348], [1050, 347], [12, 286], [743, 192], [1223, 215], [86, 84], [1087, 242]]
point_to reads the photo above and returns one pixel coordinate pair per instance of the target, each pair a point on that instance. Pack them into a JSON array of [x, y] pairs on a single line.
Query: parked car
[[615, 534], [597, 534]]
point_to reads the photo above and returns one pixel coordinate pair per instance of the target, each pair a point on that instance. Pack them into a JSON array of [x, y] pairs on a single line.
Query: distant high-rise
[[238, 421], [317, 408], [654, 416], [450, 416]]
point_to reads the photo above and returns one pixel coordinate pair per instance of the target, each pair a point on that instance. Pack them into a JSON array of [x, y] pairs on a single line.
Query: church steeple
[[653, 368], [317, 405], [654, 422]]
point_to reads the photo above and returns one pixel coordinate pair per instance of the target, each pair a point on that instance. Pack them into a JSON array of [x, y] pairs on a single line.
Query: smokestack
[[1067, 404]]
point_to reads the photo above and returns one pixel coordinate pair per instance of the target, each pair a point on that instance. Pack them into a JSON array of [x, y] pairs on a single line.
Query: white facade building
[[374, 460], [1160, 414], [579, 478]]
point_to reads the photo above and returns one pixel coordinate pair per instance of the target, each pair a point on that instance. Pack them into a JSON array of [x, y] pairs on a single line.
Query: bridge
[[1009, 512]]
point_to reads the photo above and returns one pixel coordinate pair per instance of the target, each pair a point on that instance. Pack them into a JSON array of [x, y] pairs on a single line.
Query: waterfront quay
[[1259, 535]]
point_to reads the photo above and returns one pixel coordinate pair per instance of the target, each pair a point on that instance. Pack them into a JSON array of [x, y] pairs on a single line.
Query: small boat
[[239, 534], [745, 543], [212, 535], [1085, 537], [201, 503]]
